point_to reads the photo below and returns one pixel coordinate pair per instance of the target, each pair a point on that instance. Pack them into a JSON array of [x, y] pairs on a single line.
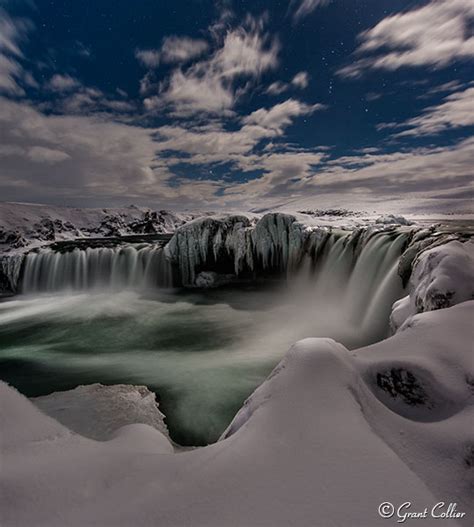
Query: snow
[[442, 276], [23, 226], [391, 219], [323, 441], [97, 411]]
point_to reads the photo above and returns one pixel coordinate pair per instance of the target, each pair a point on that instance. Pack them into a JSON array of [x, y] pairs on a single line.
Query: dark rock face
[[401, 383]]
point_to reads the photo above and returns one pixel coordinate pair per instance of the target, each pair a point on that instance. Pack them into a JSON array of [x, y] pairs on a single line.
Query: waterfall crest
[[112, 268]]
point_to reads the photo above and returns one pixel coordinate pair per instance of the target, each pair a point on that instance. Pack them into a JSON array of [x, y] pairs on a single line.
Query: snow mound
[[442, 277], [97, 411]]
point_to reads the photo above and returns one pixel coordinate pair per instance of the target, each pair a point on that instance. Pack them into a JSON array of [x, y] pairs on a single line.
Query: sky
[[238, 105]]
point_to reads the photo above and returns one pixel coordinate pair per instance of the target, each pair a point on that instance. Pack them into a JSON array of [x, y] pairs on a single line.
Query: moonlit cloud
[[199, 127], [433, 35], [150, 58], [456, 111], [174, 49], [301, 80], [182, 49], [214, 84], [12, 32], [61, 83], [306, 7]]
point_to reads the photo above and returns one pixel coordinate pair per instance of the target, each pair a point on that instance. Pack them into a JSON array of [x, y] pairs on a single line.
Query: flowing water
[[99, 315]]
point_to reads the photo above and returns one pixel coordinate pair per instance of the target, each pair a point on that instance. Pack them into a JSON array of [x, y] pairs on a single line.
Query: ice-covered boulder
[[442, 276]]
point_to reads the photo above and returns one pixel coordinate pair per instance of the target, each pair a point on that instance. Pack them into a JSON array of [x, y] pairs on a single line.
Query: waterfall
[[113, 268], [352, 283]]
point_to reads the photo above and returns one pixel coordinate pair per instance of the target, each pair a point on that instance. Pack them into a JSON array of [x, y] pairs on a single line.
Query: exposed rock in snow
[[97, 411], [324, 441], [442, 276]]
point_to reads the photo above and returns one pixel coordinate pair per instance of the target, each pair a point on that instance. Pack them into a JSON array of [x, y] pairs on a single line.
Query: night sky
[[198, 104]]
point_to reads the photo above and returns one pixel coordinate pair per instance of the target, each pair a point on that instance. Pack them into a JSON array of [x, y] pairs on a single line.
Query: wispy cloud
[[213, 85], [456, 111], [434, 35], [306, 7], [299, 81], [173, 50], [12, 74], [62, 83]]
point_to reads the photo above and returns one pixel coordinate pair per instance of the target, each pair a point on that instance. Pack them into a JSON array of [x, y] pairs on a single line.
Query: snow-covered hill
[[23, 225]]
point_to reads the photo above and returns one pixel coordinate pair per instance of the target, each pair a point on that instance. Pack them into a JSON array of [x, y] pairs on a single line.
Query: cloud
[[435, 35], [456, 111], [306, 7], [41, 154], [12, 32], [434, 178], [174, 49], [277, 88], [214, 84], [281, 115], [301, 80], [150, 58], [182, 49], [56, 157], [62, 83]]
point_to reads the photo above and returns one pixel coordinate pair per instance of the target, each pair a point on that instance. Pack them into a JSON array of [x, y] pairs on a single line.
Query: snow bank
[[441, 277], [97, 411], [324, 441]]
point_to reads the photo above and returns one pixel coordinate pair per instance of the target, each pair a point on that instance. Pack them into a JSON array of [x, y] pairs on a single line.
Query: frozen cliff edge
[[325, 440], [277, 243]]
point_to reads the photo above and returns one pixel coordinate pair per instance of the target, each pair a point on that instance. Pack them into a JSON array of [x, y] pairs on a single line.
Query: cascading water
[[351, 285], [112, 268]]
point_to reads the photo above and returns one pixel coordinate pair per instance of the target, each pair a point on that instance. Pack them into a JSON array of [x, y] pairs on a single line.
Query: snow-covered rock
[[324, 441], [97, 411], [442, 277], [391, 219], [25, 225]]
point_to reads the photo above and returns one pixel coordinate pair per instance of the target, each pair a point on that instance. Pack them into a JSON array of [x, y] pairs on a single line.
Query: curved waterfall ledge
[[213, 250]]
